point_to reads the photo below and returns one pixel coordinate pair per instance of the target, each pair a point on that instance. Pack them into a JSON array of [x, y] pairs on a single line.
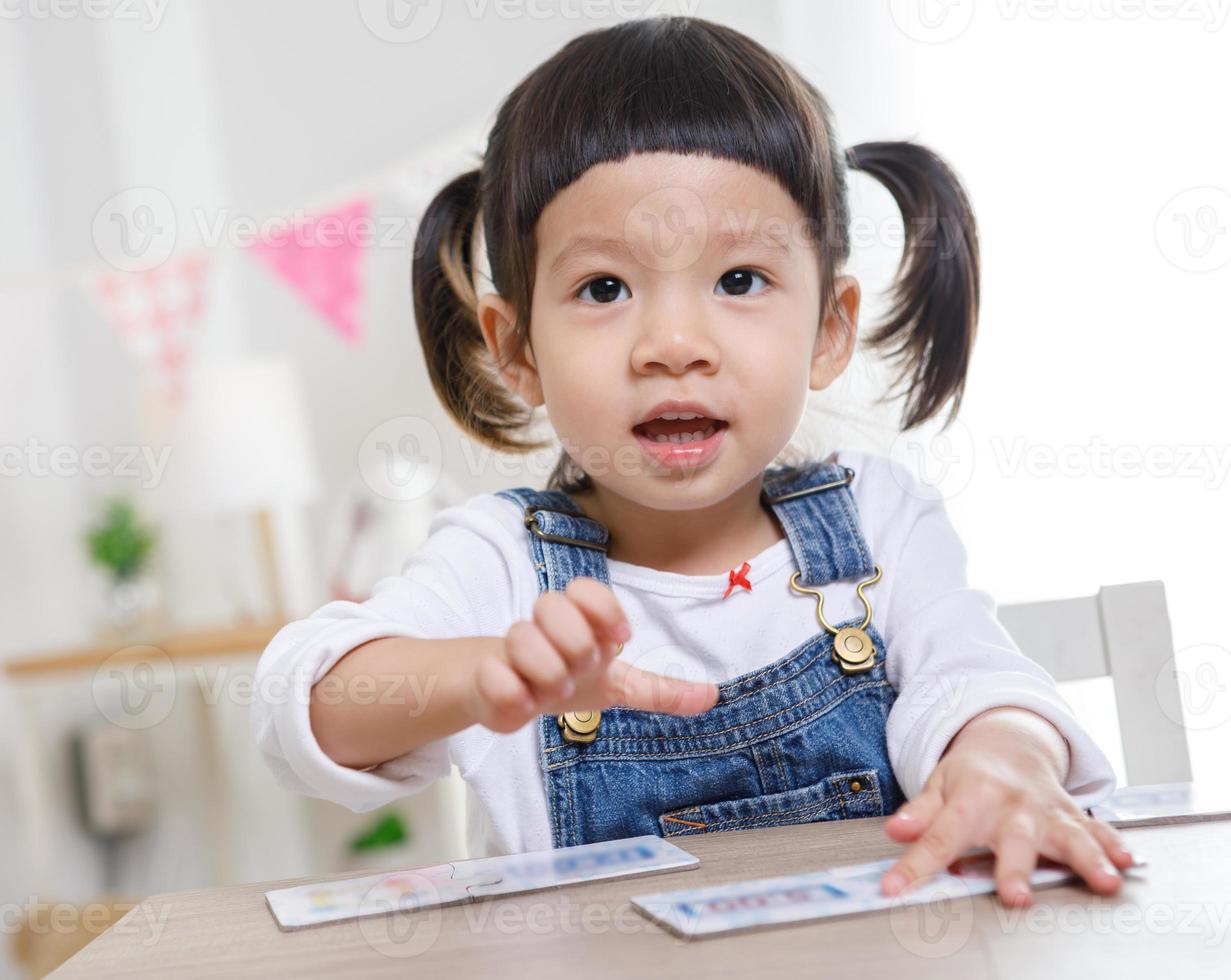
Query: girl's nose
[[676, 344]]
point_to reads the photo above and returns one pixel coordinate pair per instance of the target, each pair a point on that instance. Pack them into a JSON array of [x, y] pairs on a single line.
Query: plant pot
[[131, 607]]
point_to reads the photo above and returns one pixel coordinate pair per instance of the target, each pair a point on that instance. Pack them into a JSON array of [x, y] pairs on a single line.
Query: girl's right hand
[[565, 660]]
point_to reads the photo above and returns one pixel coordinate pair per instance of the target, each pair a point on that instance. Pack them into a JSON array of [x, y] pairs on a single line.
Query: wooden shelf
[[244, 638]]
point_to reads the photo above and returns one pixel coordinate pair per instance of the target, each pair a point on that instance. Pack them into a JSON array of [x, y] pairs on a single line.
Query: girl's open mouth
[[680, 442]]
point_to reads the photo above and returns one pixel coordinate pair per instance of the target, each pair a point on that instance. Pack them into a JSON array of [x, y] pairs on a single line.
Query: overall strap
[[813, 503], [564, 543], [817, 511]]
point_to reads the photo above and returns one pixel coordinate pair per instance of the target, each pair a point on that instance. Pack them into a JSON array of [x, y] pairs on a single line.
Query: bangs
[[655, 85]]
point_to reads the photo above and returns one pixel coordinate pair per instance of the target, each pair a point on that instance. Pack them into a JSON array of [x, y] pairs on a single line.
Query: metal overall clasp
[[853, 650]]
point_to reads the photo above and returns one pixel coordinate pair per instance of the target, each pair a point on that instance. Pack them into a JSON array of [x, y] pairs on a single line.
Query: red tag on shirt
[[738, 578]]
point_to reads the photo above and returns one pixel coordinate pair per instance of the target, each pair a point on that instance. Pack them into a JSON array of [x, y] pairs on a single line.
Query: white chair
[[1122, 631]]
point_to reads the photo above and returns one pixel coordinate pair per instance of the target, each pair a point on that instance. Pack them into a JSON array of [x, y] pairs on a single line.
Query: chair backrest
[[1122, 631]]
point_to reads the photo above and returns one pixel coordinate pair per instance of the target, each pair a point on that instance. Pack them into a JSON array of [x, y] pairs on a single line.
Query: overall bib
[[797, 741]]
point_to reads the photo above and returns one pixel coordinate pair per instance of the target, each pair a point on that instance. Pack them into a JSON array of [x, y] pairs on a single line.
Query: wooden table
[[1175, 925]]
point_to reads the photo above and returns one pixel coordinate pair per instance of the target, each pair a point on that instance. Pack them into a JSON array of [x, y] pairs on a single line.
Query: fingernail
[[1109, 869], [567, 688], [1017, 887], [529, 706], [622, 632], [893, 882], [904, 815]]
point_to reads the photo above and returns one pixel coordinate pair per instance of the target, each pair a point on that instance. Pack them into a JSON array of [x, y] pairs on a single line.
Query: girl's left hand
[[999, 785]]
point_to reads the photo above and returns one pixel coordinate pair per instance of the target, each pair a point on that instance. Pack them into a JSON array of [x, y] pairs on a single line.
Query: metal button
[[856, 785], [579, 726]]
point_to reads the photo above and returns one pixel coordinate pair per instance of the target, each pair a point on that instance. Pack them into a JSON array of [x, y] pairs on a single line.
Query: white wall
[[1075, 135]]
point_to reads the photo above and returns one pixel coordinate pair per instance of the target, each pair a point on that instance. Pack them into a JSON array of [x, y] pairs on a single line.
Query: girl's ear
[[835, 340], [514, 359]]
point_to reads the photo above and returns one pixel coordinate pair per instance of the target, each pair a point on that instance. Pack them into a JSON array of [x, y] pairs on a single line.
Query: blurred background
[[214, 413]]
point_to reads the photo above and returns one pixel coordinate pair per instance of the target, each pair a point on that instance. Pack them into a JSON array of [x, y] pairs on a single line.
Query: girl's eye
[[604, 289], [738, 282]]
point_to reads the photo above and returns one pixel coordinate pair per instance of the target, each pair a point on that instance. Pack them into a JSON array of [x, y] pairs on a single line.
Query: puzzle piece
[[472, 880], [418, 888]]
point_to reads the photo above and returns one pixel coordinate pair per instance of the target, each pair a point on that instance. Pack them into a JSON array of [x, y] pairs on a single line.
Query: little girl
[[682, 634]]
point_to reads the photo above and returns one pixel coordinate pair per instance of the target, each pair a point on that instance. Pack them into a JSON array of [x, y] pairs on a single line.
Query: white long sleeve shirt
[[947, 657]]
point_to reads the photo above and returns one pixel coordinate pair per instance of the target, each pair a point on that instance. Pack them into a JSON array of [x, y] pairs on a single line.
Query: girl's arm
[[561, 659], [985, 749], [1000, 782], [390, 696], [459, 585]]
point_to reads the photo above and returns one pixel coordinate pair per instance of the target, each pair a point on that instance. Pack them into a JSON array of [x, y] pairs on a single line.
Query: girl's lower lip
[[682, 454]]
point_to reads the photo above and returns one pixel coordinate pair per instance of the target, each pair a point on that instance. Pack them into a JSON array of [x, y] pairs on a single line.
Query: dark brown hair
[[683, 85]]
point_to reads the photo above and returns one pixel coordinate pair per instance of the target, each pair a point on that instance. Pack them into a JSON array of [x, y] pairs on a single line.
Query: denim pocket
[[843, 795]]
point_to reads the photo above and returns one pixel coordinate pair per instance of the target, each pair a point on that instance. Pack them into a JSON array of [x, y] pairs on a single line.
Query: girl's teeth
[[687, 436]]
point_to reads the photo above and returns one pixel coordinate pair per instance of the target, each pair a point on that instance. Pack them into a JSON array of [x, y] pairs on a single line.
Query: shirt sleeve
[[458, 583], [949, 658]]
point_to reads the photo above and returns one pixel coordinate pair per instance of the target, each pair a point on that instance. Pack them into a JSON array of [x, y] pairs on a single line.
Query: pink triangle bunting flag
[[319, 258], [154, 312]]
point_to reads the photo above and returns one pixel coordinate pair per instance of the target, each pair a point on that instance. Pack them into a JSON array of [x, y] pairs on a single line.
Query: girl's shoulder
[[888, 495], [496, 519], [880, 478]]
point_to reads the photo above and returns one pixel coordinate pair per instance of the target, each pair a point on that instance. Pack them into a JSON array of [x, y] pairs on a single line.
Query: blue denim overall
[[796, 741]]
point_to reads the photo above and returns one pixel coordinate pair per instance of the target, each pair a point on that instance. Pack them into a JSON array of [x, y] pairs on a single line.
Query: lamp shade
[[242, 441]]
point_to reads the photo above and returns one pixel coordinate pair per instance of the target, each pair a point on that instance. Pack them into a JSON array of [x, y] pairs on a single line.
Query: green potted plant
[[123, 546]]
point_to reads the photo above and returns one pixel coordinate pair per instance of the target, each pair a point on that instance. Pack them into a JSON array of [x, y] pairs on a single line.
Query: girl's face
[[666, 276]]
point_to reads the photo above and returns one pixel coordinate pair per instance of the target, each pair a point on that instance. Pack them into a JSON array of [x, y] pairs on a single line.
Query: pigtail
[[446, 314], [935, 296]]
